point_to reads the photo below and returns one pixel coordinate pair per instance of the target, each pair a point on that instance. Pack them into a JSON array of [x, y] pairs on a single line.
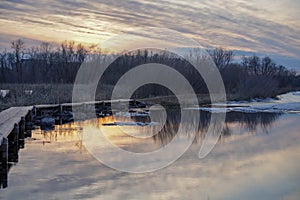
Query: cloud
[[257, 26]]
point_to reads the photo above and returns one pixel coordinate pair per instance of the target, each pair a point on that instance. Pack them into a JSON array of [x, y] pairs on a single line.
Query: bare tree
[[47, 64], [18, 46], [33, 52], [252, 64], [71, 51], [221, 57], [81, 52], [258, 66], [268, 67], [2, 65]]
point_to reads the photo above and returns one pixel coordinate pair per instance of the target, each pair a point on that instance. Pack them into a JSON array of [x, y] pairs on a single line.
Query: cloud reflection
[[245, 166]]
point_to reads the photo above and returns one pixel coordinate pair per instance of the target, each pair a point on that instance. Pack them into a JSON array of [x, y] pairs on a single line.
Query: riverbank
[[12, 95]]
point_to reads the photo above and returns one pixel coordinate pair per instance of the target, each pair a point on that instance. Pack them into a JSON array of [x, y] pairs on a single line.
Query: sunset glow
[[270, 27]]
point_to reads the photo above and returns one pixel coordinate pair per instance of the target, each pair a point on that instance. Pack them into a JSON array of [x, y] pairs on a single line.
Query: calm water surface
[[257, 157]]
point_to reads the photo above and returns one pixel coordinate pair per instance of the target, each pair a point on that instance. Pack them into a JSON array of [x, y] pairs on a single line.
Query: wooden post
[[4, 164], [34, 111], [28, 134], [60, 109], [28, 117], [13, 147], [22, 133], [28, 124]]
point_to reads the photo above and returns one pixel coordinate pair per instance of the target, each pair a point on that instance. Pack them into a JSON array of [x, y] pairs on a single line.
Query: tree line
[[254, 76], [44, 63], [246, 78]]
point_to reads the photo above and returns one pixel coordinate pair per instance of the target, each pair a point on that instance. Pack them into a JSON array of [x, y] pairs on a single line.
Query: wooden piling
[[21, 141], [13, 147], [29, 116], [4, 149], [34, 111], [10, 119], [28, 124], [60, 109], [4, 163]]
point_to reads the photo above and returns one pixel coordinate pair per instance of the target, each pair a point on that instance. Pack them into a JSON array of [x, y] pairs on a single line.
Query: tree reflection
[[252, 122], [249, 121]]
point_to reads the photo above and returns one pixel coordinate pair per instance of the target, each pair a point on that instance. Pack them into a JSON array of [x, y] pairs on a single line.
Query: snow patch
[[286, 103], [132, 114], [131, 124]]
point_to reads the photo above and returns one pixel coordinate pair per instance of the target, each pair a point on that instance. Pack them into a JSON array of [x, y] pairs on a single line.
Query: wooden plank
[[9, 117]]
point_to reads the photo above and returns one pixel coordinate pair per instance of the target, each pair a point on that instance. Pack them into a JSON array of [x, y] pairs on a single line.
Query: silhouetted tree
[[18, 46], [253, 77], [221, 57]]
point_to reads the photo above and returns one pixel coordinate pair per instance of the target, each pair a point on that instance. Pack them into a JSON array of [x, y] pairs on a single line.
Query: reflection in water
[[251, 121], [61, 133], [244, 166], [136, 134], [140, 125]]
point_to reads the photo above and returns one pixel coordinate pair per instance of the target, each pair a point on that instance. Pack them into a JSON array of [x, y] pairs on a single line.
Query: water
[[257, 157]]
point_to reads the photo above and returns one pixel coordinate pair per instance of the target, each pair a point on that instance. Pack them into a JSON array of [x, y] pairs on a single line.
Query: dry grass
[[62, 93], [33, 94]]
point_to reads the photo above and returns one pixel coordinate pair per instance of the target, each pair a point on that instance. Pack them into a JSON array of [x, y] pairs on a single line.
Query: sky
[[266, 27]]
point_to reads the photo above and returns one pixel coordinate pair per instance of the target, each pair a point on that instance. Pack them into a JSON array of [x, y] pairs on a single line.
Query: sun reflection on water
[[245, 164]]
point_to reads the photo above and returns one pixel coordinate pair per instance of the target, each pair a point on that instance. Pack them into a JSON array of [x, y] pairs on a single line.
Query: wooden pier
[[10, 117], [12, 135], [16, 124]]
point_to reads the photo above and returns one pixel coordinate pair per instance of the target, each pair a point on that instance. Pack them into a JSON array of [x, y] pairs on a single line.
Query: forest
[[45, 73]]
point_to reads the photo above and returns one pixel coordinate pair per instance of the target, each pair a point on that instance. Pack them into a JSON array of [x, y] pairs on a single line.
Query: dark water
[[256, 157]]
